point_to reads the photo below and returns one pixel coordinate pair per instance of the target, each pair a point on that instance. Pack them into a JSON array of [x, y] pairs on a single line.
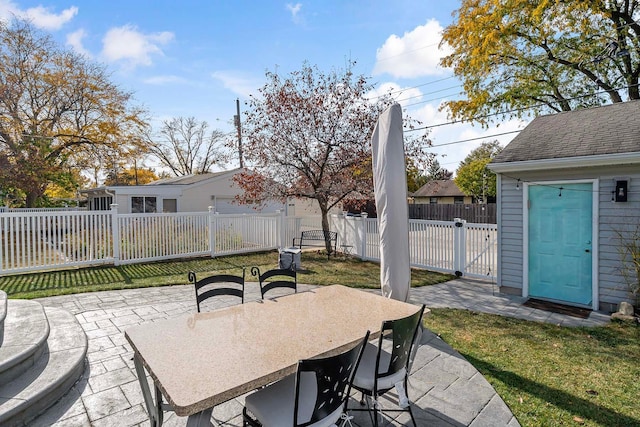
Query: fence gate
[[456, 247]]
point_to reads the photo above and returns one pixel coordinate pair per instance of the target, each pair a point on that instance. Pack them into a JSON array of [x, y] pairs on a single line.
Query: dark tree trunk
[[325, 225]]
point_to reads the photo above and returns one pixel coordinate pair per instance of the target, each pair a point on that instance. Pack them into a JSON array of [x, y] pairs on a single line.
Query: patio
[[446, 389]]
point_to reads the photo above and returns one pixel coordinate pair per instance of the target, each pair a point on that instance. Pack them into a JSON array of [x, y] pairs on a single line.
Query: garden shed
[[441, 191], [189, 193], [568, 195]]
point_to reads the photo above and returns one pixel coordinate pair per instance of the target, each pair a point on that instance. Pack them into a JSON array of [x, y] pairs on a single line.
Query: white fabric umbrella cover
[[390, 187]]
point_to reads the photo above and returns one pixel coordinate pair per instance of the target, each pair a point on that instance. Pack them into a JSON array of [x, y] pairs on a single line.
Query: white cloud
[[43, 18], [7, 10], [295, 12], [74, 40], [236, 83], [415, 54], [40, 16], [132, 47]]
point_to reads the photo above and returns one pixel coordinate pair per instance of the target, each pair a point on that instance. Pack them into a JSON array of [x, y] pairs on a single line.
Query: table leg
[[154, 409], [201, 419]]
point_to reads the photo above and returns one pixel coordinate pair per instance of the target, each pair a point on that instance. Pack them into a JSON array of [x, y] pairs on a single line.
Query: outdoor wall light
[[621, 191]]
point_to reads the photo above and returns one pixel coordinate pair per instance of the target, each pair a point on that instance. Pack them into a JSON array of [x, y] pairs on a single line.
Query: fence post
[[282, 232], [342, 234], [212, 232], [363, 230], [459, 246], [115, 233]]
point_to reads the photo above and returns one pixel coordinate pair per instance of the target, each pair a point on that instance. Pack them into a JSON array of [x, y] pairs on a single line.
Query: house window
[[141, 204], [169, 205], [433, 200], [458, 200]]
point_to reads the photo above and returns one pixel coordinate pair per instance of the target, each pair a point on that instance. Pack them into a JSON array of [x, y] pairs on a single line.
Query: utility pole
[[484, 177], [239, 128]]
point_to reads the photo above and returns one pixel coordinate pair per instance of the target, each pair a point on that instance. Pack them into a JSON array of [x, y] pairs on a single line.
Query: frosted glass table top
[[204, 359]]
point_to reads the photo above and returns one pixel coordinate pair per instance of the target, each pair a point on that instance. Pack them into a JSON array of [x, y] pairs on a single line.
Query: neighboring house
[[441, 192], [190, 193], [567, 185]]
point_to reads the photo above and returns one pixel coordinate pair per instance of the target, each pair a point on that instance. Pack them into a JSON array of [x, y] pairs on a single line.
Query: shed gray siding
[[511, 238], [616, 219], [612, 217]]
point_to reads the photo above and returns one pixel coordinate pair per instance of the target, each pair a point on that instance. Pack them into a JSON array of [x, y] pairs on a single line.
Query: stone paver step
[[25, 338], [52, 375]]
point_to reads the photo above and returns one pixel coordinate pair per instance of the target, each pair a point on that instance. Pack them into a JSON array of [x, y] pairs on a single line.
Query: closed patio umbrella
[[390, 187]]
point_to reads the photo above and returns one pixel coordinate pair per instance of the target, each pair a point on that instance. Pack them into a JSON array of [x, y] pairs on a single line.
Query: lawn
[[547, 374], [551, 375], [317, 270]]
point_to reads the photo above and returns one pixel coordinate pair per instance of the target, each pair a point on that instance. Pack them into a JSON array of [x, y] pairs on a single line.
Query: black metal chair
[[381, 370], [216, 285], [316, 394], [276, 278]]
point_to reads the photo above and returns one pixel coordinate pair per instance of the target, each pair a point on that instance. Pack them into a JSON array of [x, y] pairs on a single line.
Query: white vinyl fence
[[450, 247], [43, 240], [67, 209], [32, 241]]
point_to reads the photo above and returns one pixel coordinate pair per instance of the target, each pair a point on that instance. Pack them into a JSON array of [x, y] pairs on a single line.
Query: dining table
[[200, 360]]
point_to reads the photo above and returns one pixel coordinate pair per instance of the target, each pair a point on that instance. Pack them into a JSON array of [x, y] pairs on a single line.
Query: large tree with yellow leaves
[[518, 57], [56, 107]]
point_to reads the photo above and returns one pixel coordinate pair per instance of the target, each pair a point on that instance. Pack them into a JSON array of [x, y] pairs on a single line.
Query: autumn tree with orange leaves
[[308, 135], [57, 110]]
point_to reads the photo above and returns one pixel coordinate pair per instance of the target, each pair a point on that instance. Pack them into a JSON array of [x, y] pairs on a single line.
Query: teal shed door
[[560, 250]]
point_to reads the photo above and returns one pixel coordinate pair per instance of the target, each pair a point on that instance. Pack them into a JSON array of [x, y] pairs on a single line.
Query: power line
[[609, 51], [428, 93], [411, 87], [448, 163], [543, 58], [512, 110], [432, 99], [423, 84], [475, 139]]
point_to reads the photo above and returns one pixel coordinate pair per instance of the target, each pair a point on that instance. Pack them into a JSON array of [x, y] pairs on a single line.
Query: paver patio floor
[[445, 388]]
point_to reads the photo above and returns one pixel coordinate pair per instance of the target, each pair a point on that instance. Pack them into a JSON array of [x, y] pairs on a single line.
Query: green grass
[[318, 270], [550, 375]]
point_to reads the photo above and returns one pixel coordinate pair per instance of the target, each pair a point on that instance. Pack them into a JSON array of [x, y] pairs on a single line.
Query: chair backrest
[[403, 333], [219, 284], [330, 379], [276, 278]]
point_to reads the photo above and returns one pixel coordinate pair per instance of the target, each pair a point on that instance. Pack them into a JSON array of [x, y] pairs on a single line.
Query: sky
[[192, 58]]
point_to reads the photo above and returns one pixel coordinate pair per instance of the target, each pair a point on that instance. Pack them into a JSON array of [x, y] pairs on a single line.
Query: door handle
[[587, 250]]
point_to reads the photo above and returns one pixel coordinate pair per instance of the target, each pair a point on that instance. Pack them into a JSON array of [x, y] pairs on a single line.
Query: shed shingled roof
[[189, 179], [610, 129], [439, 188]]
